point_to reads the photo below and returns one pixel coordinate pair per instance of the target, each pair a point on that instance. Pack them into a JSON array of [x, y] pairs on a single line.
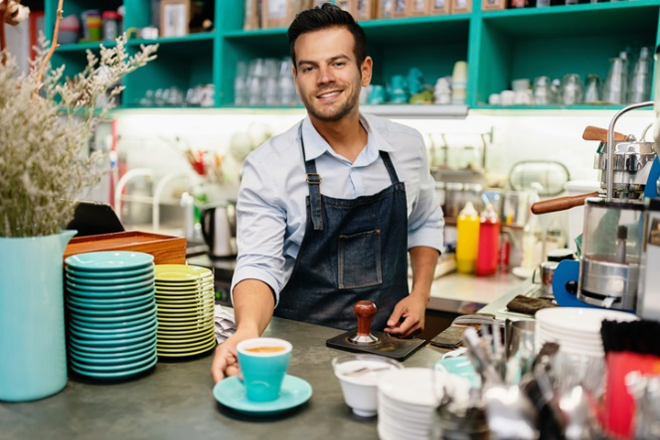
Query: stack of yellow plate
[[185, 299]]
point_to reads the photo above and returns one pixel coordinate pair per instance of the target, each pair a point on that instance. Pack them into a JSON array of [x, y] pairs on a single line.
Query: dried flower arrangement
[[45, 126]]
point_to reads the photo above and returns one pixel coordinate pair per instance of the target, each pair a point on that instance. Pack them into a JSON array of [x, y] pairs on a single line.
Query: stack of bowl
[[112, 314], [185, 297]]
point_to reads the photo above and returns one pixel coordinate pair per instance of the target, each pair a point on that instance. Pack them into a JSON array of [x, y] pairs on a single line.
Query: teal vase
[[32, 342]]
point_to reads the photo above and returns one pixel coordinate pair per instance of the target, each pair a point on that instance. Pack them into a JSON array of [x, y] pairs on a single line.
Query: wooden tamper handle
[[365, 311], [561, 203]]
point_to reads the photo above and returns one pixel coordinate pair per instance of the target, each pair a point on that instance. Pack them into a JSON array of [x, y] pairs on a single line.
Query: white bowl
[[358, 375]]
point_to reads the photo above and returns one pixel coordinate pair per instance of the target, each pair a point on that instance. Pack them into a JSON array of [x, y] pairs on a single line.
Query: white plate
[[580, 319], [413, 386]]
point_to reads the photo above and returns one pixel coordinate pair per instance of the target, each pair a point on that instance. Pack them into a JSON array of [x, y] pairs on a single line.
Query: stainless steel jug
[[219, 229]]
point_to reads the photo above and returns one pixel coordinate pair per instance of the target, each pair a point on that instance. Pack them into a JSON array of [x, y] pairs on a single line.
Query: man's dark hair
[[326, 16]]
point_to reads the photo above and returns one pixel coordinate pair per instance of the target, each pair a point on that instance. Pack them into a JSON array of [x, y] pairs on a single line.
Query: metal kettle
[[219, 229]]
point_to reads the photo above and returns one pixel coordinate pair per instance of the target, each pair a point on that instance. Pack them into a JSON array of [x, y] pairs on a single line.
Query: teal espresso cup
[[263, 362]]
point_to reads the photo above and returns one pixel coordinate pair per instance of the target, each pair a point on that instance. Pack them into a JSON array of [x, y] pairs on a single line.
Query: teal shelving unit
[[500, 46]]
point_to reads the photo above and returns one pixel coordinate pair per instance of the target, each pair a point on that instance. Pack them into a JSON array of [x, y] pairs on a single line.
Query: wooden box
[[418, 8], [439, 7], [276, 13], [493, 5], [461, 6], [363, 9], [174, 18], [166, 249], [391, 9]]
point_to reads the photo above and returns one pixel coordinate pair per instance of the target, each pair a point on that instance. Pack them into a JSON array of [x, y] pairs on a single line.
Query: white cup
[[358, 375], [508, 97]]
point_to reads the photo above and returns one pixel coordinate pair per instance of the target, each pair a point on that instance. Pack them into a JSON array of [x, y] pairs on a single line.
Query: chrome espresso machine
[[610, 266]]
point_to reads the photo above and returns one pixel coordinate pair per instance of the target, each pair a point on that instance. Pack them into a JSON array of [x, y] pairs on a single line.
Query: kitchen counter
[[453, 293], [175, 401]]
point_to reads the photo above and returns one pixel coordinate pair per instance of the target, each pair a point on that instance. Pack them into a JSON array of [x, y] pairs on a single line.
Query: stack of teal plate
[[112, 314], [185, 297]]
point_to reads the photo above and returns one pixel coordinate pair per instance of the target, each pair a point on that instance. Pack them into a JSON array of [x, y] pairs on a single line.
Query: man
[[328, 210]]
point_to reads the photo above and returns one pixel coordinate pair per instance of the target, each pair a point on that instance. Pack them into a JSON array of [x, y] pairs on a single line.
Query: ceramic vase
[[32, 342]]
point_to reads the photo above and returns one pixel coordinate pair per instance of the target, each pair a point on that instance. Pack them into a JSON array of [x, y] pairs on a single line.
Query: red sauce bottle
[[489, 242]]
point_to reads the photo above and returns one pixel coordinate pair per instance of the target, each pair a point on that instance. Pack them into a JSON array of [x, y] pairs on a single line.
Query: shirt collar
[[316, 146]]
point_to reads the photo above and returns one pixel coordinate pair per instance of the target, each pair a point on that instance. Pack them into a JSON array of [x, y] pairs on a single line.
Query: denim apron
[[352, 250]]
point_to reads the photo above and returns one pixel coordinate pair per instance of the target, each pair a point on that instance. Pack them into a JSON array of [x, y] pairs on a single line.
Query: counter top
[[175, 401], [454, 292]]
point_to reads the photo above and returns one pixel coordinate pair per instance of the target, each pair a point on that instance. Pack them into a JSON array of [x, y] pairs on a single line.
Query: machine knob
[[571, 287], [365, 311]]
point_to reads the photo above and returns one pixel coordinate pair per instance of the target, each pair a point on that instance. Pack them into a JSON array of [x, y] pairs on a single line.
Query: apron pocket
[[360, 260]]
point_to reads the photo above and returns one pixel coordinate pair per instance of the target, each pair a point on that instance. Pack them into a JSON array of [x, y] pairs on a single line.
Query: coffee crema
[[266, 349]]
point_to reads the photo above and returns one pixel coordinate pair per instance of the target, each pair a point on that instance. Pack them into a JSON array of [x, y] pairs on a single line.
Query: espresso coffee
[[267, 349]]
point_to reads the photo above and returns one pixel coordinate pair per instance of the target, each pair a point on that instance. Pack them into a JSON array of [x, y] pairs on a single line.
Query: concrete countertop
[[454, 293], [175, 401]]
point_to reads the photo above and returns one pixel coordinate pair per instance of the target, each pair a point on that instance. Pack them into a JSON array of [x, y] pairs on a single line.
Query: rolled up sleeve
[[426, 221], [261, 222]]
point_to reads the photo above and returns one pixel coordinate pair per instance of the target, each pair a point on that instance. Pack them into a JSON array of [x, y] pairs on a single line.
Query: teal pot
[[32, 343]]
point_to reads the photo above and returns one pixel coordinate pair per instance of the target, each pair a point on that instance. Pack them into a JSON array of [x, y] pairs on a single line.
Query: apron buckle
[[313, 178]]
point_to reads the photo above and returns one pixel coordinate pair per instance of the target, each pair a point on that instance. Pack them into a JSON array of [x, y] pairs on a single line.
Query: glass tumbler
[[614, 91], [542, 94], [592, 89], [572, 89]]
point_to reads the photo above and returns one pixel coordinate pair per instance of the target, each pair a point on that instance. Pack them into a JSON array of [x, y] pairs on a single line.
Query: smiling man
[[329, 210]]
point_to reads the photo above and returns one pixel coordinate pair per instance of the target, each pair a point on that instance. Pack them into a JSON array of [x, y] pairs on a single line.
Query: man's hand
[[225, 361], [407, 317]]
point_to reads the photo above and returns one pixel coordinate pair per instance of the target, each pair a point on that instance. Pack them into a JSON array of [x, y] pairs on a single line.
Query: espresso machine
[[608, 272]]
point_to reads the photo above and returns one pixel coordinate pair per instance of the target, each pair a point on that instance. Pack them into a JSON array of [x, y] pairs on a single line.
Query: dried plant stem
[[54, 45], [4, 8]]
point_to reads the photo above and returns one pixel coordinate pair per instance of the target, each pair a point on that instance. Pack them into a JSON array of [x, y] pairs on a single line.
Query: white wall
[[148, 139]]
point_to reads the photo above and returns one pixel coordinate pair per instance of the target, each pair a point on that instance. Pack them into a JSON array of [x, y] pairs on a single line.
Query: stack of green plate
[[185, 299], [112, 314]]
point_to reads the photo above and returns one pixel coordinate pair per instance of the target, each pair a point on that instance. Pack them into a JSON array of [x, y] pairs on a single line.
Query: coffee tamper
[[364, 340], [365, 311]]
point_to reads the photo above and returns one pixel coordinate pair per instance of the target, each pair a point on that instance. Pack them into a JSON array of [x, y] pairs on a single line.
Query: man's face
[[326, 73]]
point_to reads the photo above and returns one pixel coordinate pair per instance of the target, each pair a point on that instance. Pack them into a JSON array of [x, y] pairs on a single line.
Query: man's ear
[[295, 77], [366, 70]]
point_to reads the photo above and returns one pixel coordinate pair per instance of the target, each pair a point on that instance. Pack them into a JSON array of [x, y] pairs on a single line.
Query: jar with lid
[[111, 21]]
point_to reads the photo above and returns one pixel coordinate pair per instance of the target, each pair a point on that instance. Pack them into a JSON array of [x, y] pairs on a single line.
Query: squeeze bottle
[[489, 242], [467, 242]]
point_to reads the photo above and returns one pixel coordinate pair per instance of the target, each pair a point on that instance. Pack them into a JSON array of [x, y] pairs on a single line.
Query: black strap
[[314, 182]]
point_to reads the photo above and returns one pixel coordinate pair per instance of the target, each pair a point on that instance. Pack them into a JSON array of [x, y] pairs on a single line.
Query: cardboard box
[[418, 8], [276, 13], [461, 6], [174, 18], [438, 7], [493, 5], [363, 9]]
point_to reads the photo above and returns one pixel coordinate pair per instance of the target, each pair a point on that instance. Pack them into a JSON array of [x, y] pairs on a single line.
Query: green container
[[32, 342]]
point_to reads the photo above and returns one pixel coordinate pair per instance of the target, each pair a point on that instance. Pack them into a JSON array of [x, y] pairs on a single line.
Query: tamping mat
[[387, 345]]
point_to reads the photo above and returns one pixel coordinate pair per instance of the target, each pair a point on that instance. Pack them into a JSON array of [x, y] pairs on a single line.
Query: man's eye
[[307, 69], [339, 63]]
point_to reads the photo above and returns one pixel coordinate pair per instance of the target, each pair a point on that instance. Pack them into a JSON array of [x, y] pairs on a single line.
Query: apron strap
[[314, 182], [390, 166]]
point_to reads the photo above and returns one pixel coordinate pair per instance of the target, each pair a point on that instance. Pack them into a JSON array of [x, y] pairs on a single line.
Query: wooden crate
[[166, 249]]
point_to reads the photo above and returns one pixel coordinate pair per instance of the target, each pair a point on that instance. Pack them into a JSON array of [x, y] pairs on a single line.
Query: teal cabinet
[[500, 46]]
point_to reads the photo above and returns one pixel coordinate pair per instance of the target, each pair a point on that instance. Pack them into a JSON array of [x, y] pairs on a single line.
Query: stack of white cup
[[459, 82]]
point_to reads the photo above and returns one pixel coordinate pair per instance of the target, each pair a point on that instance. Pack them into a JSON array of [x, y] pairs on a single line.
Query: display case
[[499, 46]]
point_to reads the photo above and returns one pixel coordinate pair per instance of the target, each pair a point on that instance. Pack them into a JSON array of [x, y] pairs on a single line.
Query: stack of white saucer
[[406, 404], [575, 329]]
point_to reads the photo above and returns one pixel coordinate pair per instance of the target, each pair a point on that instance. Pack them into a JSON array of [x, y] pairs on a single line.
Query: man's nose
[[325, 75]]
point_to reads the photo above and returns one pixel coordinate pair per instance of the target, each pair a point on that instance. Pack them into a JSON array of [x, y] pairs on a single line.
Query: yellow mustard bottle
[[467, 241]]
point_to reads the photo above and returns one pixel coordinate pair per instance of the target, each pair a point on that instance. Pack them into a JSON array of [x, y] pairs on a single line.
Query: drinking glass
[[572, 90], [640, 83], [592, 89], [614, 91]]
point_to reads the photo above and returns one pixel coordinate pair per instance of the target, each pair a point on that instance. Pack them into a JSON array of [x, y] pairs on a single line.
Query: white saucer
[[231, 393]]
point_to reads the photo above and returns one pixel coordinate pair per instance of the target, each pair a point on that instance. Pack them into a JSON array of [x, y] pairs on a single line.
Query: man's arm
[[408, 315], [253, 308]]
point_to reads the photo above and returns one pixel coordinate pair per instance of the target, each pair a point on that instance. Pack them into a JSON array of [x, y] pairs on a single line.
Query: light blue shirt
[[271, 210]]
